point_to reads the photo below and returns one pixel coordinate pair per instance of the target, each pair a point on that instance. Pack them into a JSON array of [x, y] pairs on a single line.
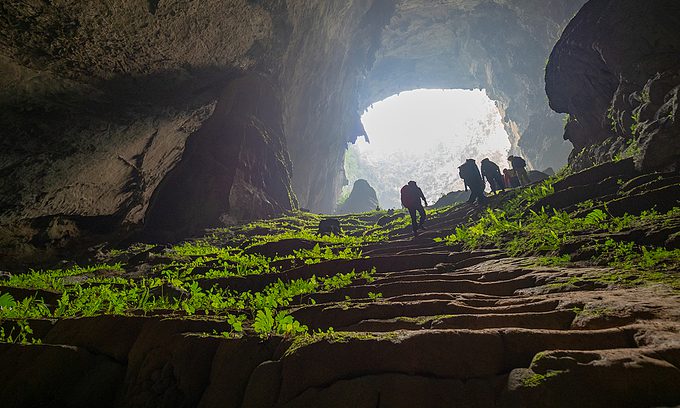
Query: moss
[[536, 380], [331, 336]]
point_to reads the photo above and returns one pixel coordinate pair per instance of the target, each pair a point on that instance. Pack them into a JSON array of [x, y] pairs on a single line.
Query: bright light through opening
[[424, 135]]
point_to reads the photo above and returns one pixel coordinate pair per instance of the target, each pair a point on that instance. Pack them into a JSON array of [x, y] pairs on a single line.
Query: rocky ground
[[470, 313]]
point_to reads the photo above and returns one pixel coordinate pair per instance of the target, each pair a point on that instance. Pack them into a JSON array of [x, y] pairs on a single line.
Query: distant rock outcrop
[[452, 198], [362, 199]]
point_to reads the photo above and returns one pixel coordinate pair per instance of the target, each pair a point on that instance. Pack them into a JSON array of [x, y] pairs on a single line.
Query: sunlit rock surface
[[615, 70]]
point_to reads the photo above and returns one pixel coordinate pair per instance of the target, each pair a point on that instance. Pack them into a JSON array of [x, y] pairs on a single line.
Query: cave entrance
[[424, 135]]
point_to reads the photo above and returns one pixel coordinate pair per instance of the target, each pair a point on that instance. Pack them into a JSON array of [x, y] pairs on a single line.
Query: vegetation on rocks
[[593, 236]]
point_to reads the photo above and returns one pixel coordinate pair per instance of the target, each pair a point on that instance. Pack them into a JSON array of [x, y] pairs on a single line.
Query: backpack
[[518, 162], [408, 196]]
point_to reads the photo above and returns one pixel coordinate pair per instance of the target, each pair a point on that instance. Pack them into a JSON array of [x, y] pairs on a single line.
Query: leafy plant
[[264, 323], [375, 296], [7, 301]]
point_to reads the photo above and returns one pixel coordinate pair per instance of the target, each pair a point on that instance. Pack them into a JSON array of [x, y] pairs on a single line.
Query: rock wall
[[98, 100], [240, 158], [321, 77], [616, 71]]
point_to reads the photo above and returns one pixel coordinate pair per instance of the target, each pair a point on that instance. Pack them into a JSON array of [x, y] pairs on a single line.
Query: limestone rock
[[615, 71], [452, 198], [363, 198]]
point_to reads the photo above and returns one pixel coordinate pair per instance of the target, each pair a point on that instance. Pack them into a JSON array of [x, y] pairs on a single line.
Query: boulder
[[363, 198]]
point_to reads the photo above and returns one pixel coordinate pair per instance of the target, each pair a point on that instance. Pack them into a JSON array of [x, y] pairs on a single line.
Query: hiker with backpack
[[469, 172], [519, 166], [411, 195], [492, 173]]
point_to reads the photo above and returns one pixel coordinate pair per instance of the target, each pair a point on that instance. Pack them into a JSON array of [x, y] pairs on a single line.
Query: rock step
[[553, 320], [468, 298], [333, 267], [398, 247], [392, 289], [444, 354], [325, 316], [622, 377], [397, 390], [436, 274]]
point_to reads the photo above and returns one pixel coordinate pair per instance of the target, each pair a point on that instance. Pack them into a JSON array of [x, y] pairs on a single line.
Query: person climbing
[[492, 173], [411, 195], [469, 172], [519, 166]]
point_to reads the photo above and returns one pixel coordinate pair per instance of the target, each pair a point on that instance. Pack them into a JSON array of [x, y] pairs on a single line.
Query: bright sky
[[424, 135]]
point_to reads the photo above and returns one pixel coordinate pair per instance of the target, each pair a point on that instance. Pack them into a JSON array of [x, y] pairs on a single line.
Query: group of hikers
[[474, 179]]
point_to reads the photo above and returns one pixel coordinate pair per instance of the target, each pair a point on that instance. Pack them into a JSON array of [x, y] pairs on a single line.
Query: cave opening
[[424, 135]]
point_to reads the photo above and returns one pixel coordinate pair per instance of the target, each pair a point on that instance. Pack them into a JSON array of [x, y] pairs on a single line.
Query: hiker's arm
[[466, 186]]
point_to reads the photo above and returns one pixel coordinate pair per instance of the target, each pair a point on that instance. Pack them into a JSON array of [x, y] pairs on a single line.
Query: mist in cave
[[424, 135]]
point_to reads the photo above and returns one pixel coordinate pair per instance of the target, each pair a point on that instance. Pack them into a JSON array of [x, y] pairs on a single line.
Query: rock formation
[[616, 71], [362, 199], [452, 198]]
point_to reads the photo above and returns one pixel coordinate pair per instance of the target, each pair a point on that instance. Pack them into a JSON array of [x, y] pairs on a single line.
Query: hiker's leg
[[414, 224]]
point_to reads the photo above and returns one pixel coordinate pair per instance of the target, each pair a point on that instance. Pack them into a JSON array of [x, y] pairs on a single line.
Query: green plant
[[635, 126], [7, 301], [264, 323], [375, 296], [20, 333], [537, 379]]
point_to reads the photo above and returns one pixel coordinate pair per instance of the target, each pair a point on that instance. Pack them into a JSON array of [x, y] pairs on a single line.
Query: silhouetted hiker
[[411, 195], [510, 177], [492, 174], [329, 226], [469, 172], [518, 164]]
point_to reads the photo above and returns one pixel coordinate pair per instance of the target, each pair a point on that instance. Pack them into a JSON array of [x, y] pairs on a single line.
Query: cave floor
[[466, 314]]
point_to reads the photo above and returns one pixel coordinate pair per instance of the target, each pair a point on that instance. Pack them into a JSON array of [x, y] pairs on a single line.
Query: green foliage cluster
[[264, 307], [54, 279], [522, 231], [318, 254]]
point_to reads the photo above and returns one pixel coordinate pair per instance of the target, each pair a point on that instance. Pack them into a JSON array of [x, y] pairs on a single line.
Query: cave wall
[[98, 100], [240, 158], [321, 76], [616, 72]]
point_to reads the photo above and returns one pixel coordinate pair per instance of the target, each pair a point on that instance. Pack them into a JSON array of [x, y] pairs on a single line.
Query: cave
[[170, 178], [139, 129]]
